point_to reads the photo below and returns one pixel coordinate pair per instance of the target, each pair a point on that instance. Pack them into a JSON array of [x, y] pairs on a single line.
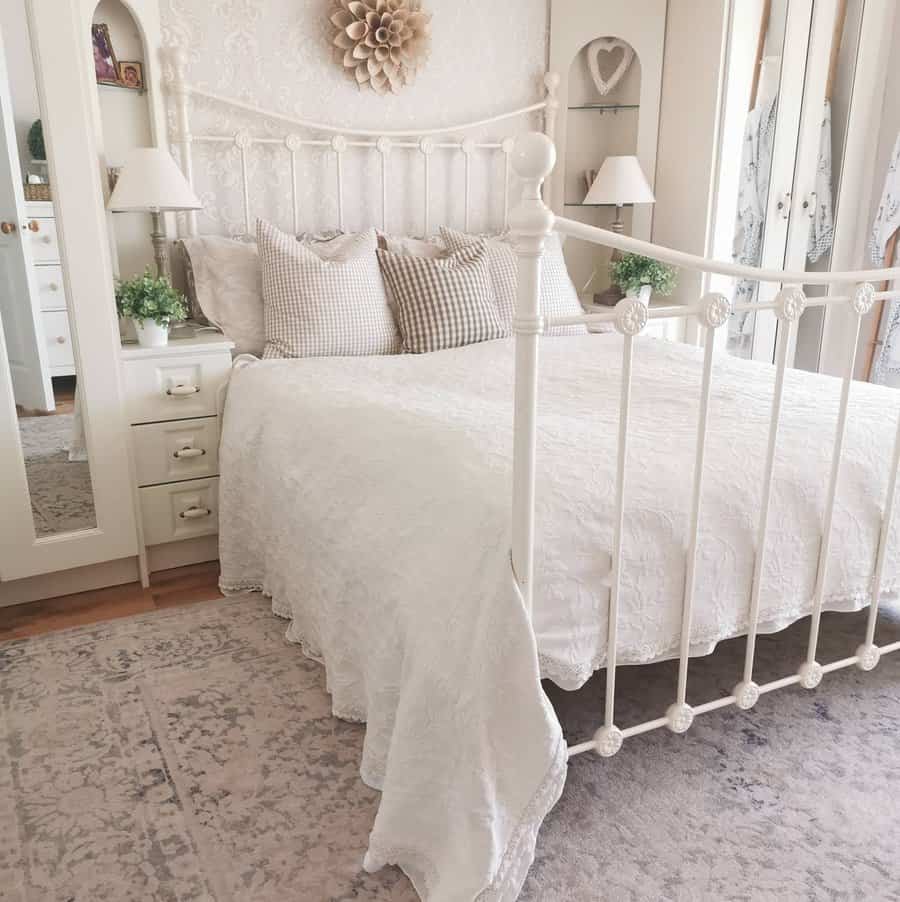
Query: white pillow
[[227, 286], [323, 300], [558, 295]]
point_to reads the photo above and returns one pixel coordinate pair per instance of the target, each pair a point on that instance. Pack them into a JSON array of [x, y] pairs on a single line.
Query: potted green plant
[[151, 303], [639, 276], [36, 141]]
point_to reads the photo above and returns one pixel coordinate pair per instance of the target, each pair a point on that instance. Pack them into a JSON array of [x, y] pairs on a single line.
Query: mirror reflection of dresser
[[51, 291]]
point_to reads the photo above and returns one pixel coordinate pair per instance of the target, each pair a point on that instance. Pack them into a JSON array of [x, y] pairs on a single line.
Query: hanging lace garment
[[753, 194], [821, 227], [887, 221]]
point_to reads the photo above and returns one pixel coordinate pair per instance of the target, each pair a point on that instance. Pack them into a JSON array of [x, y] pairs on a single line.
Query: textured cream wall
[[485, 58]]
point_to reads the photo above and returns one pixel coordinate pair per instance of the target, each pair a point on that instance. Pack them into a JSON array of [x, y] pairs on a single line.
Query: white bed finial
[[533, 159]]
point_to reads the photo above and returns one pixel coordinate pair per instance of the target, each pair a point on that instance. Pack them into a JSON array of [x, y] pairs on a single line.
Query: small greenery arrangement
[[632, 271], [36, 141], [150, 297]]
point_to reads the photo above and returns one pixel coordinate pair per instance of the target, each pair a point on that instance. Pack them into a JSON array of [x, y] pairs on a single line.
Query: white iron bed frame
[[531, 157]]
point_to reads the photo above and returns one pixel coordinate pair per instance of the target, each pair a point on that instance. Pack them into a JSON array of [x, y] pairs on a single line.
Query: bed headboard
[[433, 168]]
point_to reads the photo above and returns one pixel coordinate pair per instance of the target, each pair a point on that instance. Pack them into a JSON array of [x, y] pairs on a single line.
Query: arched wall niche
[[583, 144], [125, 118]]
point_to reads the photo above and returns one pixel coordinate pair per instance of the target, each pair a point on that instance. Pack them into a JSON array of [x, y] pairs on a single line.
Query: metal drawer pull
[[34, 226], [53, 286], [188, 452], [60, 339], [182, 391], [195, 513]]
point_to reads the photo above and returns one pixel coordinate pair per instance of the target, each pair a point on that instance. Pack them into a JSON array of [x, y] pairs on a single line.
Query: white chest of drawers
[[171, 397], [44, 242]]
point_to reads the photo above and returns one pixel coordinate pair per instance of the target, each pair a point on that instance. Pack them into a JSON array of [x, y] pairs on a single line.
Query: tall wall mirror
[[824, 208], [40, 334], [64, 467], [789, 91]]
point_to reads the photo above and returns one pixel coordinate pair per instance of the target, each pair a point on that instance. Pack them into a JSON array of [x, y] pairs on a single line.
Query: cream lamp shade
[[620, 181], [151, 182]]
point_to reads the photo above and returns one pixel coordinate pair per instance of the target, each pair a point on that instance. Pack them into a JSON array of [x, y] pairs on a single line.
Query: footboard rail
[[533, 158]]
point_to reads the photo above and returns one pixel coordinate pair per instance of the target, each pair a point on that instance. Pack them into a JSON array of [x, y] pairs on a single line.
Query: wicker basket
[[37, 192]]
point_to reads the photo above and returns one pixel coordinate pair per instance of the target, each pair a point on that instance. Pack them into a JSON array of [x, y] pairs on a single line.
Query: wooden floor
[[63, 396], [170, 588]]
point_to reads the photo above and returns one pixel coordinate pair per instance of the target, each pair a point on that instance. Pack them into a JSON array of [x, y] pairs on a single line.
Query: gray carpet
[[191, 755], [62, 499]]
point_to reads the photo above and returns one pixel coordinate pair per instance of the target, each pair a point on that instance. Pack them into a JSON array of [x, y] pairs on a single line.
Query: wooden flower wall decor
[[381, 43]]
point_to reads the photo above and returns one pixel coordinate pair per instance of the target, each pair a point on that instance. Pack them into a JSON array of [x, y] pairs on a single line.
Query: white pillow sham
[[227, 286]]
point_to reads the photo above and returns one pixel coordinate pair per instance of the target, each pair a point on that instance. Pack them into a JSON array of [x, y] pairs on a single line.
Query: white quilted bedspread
[[370, 498]]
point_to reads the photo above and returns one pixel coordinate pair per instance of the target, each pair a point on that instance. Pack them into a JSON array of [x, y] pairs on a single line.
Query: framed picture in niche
[[106, 67], [131, 74]]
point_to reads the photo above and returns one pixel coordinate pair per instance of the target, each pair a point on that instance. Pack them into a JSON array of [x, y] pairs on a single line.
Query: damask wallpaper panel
[[486, 57]]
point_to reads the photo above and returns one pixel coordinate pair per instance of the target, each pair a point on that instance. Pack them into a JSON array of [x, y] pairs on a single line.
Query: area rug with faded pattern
[[191, 754]]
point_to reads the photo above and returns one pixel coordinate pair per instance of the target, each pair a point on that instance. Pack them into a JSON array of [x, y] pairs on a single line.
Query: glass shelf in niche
[[603, 107]]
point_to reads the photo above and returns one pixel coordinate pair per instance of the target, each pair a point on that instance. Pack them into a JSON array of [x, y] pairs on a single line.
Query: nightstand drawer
[[58, 338], [50, 288], [174, 387], [44, 242], [181, 510], [177, 450]]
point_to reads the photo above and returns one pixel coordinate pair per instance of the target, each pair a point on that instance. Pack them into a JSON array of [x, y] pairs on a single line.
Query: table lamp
[[151, 182], [620, 181]]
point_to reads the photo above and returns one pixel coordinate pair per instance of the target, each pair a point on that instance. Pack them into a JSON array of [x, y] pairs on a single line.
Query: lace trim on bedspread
[[519, 852], [572, 675]]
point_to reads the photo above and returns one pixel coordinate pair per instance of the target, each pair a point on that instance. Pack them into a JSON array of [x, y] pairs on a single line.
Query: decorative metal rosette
[[790, 302], [383, 145], [631, 316], [863, 298], [243, 139], [680, 718], [426, 145], [339, 144], [293, 143], [715, 310], [811, 675], [608, 741], [746, 695], [869, 656]]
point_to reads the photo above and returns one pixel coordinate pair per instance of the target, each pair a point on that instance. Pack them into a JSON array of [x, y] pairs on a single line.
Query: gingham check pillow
[[558, 295], [443, 302], [323, 300]]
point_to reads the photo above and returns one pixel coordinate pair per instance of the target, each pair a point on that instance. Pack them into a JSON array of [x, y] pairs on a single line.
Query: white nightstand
[[668, 328], [171, 397]]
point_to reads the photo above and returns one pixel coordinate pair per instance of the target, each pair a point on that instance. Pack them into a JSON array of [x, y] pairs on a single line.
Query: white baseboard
[[67, 582], [180, 554], [109, 573]]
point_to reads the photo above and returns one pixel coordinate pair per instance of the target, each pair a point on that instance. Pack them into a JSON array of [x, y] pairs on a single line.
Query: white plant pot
[[642, 294], [151, 334]]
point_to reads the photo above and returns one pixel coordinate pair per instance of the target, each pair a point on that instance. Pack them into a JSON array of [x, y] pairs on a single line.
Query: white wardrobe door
[[61, 42], [781, 183]]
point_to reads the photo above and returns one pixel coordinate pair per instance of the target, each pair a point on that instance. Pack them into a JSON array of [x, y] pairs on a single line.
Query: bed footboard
[[852, 294]]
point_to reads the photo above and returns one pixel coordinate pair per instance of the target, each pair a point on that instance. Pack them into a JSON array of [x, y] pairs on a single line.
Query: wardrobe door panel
[[65, 490]]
